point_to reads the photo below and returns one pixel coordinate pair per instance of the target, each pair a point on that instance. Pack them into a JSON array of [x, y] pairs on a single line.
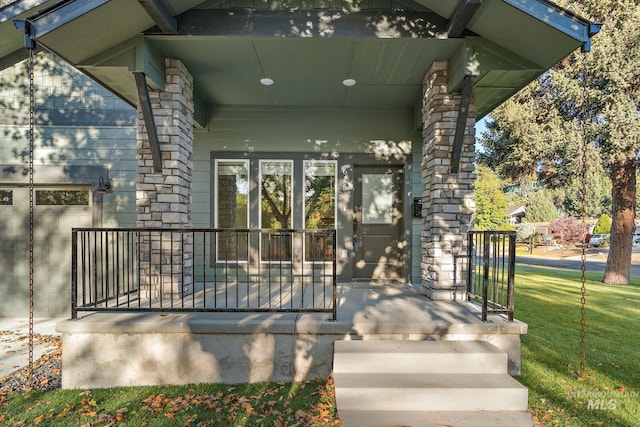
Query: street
[[572, 263]]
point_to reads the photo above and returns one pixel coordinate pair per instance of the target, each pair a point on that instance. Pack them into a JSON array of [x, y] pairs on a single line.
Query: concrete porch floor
[[113, 349]]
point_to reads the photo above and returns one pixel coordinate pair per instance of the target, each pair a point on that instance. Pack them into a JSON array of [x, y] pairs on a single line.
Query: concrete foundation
[[106, 349]]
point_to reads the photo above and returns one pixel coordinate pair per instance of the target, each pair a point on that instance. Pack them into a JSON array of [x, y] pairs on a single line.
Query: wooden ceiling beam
[[461, 17], [161, 15], [325, 24]]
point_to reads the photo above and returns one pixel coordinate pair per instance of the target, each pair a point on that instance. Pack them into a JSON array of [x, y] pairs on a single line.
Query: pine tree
[[587, 105]]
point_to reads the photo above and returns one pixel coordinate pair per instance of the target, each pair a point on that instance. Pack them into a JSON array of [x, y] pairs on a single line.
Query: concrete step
[[428, 392], [437, 419], [457, 357]]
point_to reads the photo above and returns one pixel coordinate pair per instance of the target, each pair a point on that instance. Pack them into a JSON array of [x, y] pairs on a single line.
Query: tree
[[491, 202], [276, 201], [597, 198], [603, 226], [525, 230], [319, 202], [567, 228], [584, 113], [540, 207]]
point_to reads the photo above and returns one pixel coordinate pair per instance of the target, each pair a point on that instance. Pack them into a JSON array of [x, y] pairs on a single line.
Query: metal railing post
[[334, 277], [74, 273], [485, 275], [511, 276], [470, 263]]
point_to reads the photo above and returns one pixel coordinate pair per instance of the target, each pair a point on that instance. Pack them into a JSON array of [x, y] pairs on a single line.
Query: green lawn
[[548, 300], [262, 404]]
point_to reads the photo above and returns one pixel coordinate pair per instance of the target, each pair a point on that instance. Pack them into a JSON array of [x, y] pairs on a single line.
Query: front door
[[378, 223]]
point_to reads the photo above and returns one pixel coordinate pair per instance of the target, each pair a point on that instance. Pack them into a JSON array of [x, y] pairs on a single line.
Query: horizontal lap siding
[[78, 123]]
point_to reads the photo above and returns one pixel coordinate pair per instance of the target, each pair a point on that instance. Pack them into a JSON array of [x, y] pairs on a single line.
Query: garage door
[[56, 212]]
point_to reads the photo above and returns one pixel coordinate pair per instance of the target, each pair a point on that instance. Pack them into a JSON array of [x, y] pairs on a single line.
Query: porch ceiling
[[307, 53]]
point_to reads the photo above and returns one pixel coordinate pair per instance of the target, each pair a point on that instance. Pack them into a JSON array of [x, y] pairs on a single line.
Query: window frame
[[216, 210]]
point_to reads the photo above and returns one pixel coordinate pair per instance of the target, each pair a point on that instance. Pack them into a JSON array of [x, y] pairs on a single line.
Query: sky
[[480, 127]]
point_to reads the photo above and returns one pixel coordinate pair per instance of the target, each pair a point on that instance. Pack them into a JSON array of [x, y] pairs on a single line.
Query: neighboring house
[[515, 214], [373, 102]]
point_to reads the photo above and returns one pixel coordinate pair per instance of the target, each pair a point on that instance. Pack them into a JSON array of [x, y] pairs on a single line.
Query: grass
[[265, 404], [548, 300]]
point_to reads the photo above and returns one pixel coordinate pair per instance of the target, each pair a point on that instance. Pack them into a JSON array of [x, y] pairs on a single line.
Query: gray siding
[[78, 123]]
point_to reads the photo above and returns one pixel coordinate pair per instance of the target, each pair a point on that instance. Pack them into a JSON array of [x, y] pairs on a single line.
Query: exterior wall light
[[349, 82], [102, 187], [266, 81]]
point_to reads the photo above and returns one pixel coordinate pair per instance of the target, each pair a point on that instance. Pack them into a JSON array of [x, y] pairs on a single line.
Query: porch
[[186, 306], [106, 349]]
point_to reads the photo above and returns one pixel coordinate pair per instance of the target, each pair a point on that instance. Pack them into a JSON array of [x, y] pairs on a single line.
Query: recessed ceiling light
[[266, 81], [349, 82]]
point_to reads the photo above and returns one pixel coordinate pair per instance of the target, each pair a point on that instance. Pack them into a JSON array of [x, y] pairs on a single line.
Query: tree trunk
[[623, 198]]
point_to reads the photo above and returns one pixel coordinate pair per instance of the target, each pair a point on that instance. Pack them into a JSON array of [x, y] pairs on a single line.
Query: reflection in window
[[319, 194], [276, 189], [377, 198], [62, 197], [319, 208], [6, 197], [232, 194]]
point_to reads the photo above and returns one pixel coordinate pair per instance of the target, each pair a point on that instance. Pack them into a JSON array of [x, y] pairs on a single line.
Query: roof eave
[[560, 19]]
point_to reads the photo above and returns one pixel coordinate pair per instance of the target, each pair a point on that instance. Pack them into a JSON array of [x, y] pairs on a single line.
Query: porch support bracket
[[461, 17], [149, 121], [162, 16], [463, 115]]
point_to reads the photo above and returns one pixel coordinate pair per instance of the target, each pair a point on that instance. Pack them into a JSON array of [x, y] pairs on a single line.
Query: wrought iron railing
[[203, 270], [491, 271]]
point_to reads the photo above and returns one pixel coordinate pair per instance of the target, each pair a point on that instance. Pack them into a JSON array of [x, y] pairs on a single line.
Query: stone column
[[164, 198], [448, 204]]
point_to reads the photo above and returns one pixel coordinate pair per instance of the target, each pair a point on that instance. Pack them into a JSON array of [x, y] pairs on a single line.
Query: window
[[62, 197], [267, 192], [275, 192], [6, 197], [319, 208], [319, 194], [276, 207], [377, 198], [232, 201]]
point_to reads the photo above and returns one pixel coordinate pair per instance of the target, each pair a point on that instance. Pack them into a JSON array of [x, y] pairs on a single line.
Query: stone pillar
[[448, 204], [164, 198]]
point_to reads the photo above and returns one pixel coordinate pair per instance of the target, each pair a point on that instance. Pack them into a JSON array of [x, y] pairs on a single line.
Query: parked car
[[598, 239]]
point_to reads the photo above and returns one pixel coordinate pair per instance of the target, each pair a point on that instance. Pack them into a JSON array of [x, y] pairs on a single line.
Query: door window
[[377, 198]]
